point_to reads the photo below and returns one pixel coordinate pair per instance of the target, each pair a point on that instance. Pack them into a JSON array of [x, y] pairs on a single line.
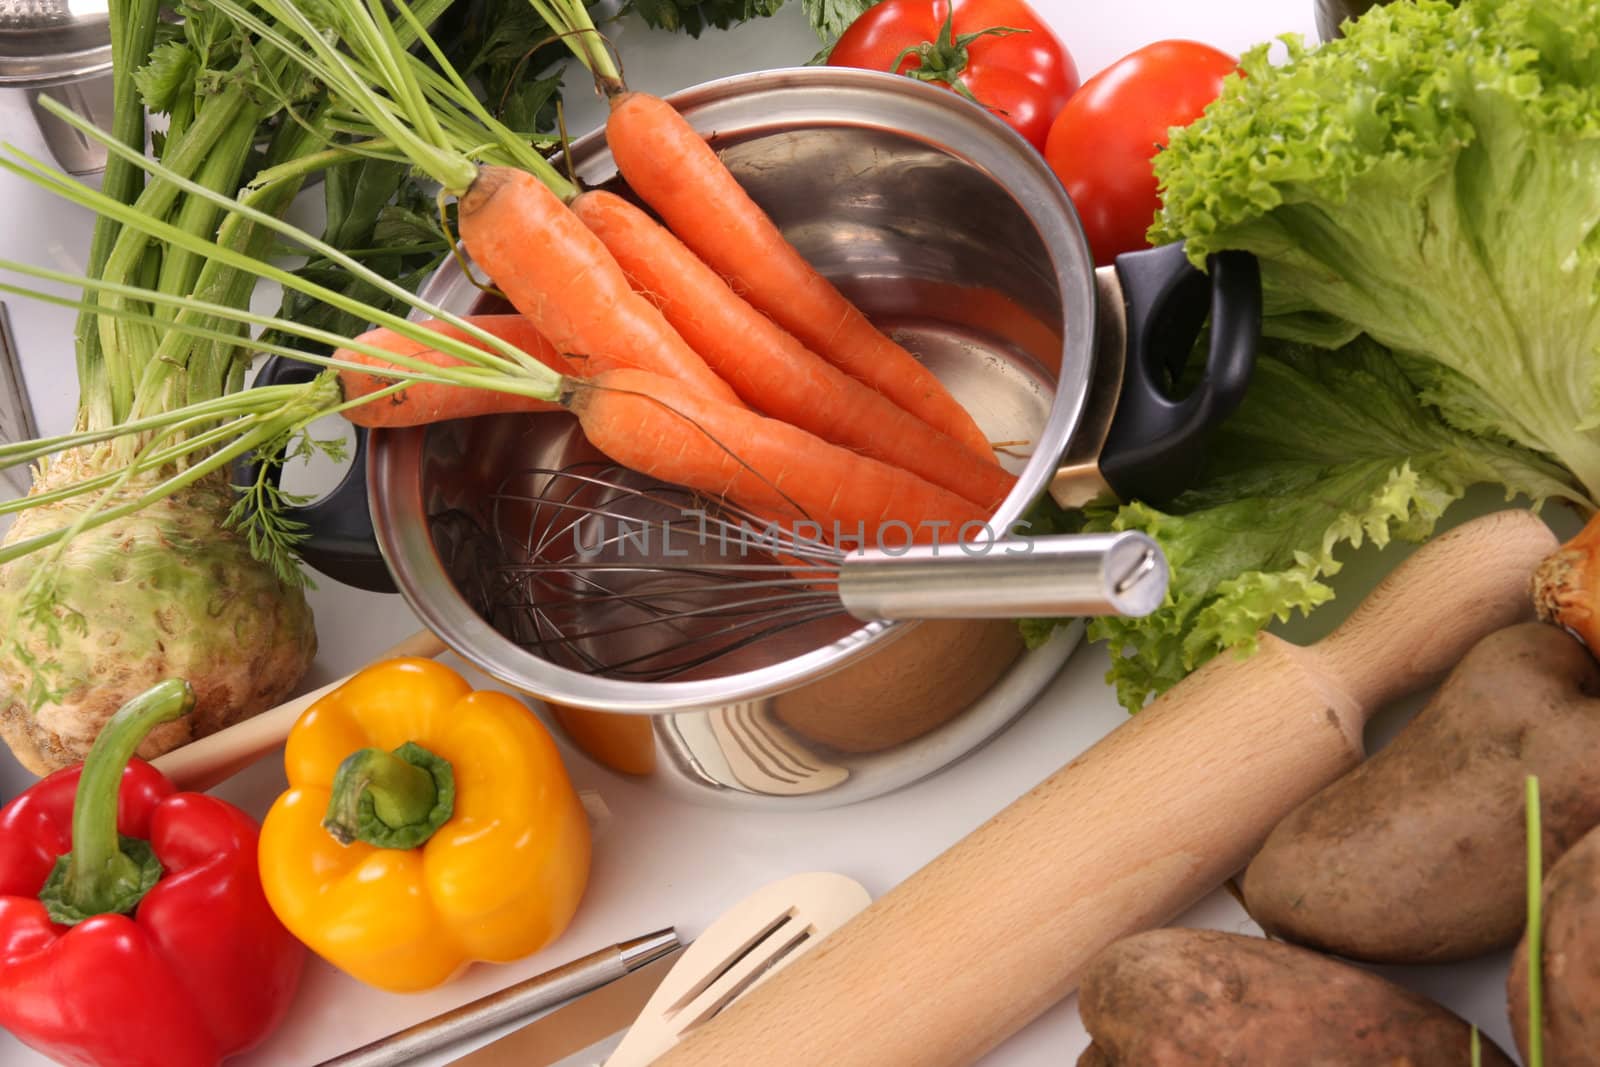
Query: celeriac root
[[164, 592]]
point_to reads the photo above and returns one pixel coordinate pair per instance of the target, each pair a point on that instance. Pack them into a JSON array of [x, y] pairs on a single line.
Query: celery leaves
[[170, 71], [694, 17], [830, 18]]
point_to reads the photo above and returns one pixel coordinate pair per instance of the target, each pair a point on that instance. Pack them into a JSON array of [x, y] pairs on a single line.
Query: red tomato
[[1023, 77], [1102, 143]]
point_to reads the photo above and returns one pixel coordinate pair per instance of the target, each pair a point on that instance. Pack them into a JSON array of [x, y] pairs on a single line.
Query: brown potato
[[1571, 956], [1416, 856], [1203, 998]]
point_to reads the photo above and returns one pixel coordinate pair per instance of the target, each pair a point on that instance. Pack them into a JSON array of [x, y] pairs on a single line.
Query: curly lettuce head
[[1433, 180]]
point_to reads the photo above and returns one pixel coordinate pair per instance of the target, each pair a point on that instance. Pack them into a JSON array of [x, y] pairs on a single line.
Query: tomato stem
[[944, 59]]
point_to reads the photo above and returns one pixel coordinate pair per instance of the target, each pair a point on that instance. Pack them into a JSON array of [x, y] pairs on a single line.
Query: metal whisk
[[599, 569]]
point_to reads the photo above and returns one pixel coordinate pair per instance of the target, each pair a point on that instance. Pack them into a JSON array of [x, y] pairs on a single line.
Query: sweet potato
[[1418, 854], [1203, 998], [1571, 958]]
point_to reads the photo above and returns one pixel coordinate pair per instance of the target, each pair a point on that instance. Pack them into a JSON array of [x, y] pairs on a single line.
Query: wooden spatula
[[1157, 814], [745, 946]]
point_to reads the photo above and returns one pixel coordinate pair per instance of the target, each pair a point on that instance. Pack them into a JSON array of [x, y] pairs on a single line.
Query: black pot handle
[[339, 541], [1156, 441]]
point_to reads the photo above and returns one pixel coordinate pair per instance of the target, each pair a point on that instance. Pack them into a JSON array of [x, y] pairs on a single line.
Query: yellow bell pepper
[[426, 825]]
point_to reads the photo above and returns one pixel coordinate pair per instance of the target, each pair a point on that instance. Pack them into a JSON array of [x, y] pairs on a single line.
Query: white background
[[658, 861]]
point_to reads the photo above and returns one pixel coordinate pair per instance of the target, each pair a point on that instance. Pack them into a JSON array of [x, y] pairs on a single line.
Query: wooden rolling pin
[[203, 763], [1126, 837]]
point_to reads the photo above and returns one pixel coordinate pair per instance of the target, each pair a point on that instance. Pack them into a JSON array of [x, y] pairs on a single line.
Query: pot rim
[[832, 96]]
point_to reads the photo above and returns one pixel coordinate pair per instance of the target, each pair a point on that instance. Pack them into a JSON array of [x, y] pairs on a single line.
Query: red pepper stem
[[98, 876]]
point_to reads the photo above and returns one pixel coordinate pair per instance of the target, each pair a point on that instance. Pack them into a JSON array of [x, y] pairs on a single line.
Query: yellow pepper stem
[[390, 799]]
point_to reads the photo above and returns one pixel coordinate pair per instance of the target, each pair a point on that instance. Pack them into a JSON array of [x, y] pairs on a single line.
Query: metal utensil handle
[[1024, 577], [514, 1002]]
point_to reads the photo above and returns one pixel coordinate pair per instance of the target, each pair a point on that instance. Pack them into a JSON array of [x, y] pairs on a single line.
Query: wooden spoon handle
[[1150, 819], [203, 763]]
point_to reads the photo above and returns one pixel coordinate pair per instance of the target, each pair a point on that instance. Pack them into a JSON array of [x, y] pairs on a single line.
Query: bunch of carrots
[[709, 354]]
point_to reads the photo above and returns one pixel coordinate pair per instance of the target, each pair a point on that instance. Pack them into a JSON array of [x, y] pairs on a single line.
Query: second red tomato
[[1104, 141], [1025, 77]]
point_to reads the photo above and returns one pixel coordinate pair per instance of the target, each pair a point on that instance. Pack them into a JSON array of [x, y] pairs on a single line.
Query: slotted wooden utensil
[[1128, 835], [746, 945]]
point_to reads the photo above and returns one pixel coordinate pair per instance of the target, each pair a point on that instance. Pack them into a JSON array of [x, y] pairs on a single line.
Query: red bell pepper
[[155, 949]]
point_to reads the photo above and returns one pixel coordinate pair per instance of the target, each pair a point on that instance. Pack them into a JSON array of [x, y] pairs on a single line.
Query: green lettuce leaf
[[1327, 450], [1432, 180]]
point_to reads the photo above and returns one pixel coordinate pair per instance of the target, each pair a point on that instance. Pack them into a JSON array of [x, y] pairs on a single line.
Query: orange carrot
[[772, 371], [679, 175], [664, 429], [561, 277], [426, 402]]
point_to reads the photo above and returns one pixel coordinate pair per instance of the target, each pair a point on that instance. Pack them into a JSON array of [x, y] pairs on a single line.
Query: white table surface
[[660, 861]]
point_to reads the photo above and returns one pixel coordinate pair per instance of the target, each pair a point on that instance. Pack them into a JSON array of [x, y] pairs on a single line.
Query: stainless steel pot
[[952, 232]]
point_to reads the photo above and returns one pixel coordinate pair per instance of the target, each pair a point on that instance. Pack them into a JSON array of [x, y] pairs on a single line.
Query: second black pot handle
[[1156, 440], [339, 541]]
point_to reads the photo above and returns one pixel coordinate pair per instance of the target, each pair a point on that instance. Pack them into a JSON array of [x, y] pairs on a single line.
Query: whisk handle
[[1026, 577]]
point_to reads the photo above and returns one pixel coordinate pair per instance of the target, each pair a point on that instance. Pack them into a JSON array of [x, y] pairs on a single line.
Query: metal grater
[[52, 40], [60, 49], [16, 413], [23, 16]]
